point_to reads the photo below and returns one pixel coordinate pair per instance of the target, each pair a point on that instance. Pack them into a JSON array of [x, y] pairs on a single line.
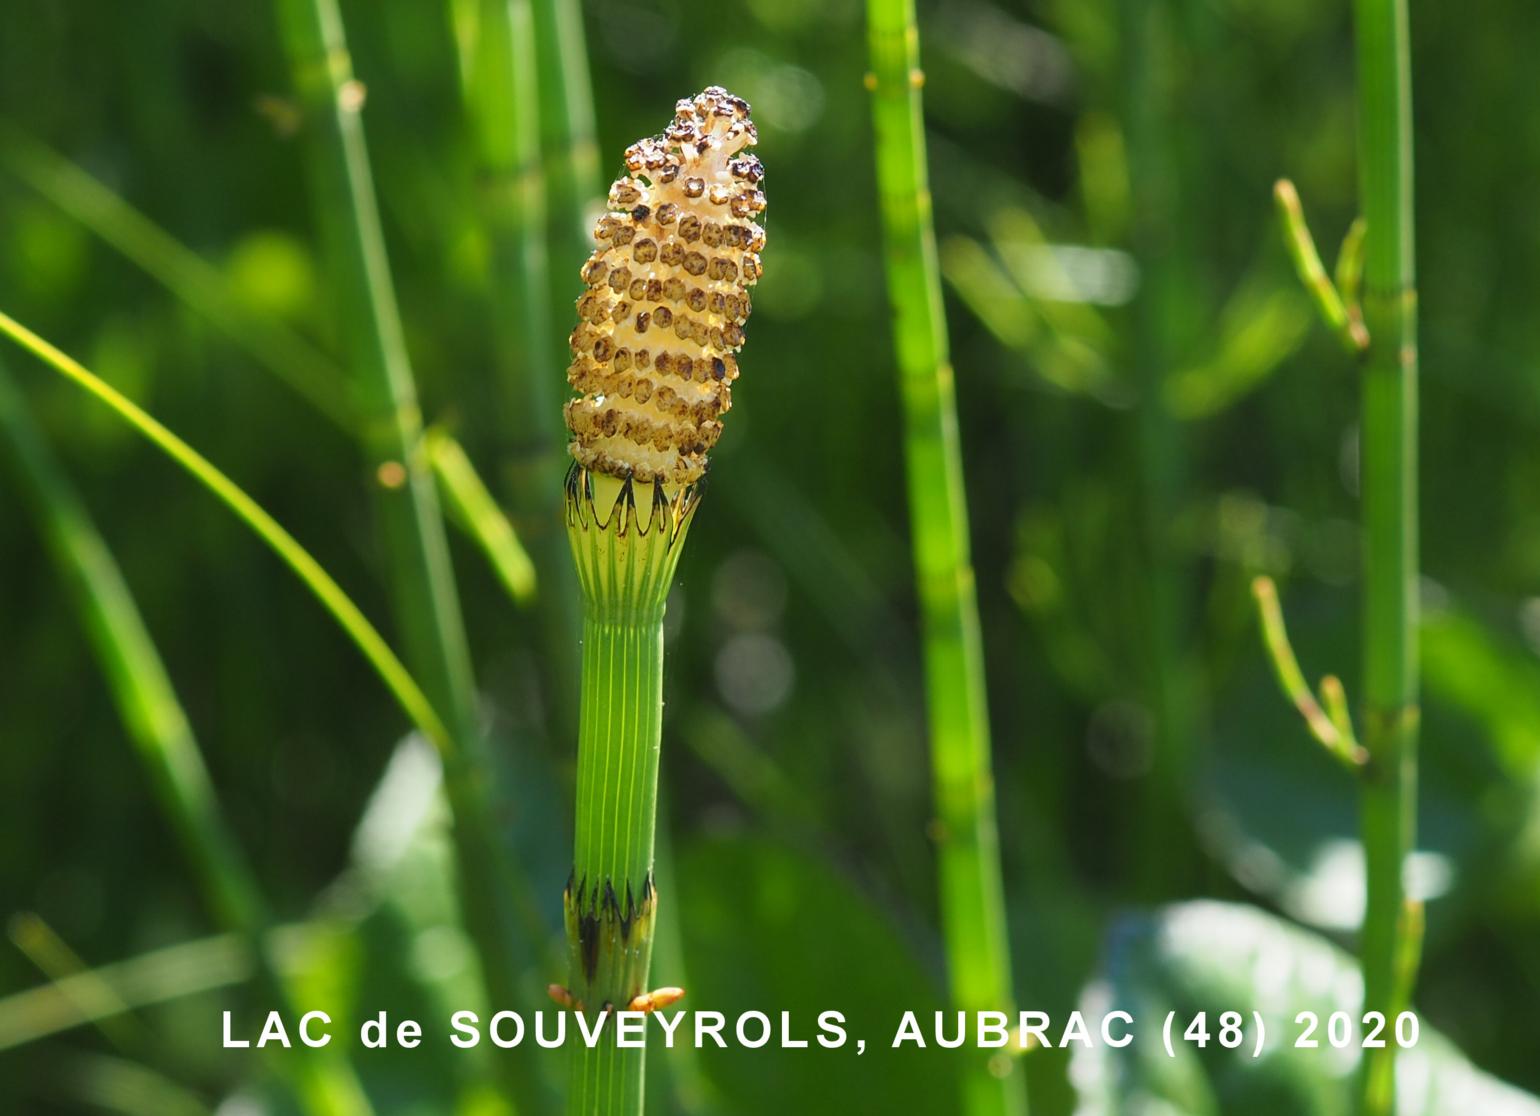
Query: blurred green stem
[[1388, 480], [972, 892], [161, 733], [500, 90], [476, 510], [1158, 312], [571, 153], [63, 967], [427, 605], [157, 977]]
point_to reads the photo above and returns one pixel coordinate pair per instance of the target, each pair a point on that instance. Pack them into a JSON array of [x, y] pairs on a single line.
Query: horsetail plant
[[653, 360], [972, 891], [1372, 309]]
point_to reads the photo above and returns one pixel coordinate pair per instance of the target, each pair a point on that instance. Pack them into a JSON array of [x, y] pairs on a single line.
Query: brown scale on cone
[[668, 295]]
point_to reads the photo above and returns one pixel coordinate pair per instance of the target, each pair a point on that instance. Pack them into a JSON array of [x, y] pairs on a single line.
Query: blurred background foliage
[[1147, 412]]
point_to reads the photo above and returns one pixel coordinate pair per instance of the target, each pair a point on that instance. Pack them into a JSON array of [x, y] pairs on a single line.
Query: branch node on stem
[[1349, 272], [1340, 315], [1409, 954], [1332, 724]]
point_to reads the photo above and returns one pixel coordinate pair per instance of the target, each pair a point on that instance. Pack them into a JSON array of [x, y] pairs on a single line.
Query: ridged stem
[[617, 797], [971, 888], [625, 541], [427, 606], [1388, 480], [618, 738]]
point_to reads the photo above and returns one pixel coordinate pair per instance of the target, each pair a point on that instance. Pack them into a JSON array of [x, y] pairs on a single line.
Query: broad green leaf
[[1215, 957], [770, 930], [1494, 683]]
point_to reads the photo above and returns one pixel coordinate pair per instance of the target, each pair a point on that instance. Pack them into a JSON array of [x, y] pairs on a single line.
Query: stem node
[[1340, 315]]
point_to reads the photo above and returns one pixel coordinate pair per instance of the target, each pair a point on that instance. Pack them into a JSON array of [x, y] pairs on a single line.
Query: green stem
[[1167, 852], [471, 503], [971, 889], [567, 139], [158, 977], [496, 906], [626, 539], [1388, 479], [570, 159], [618, 738], [426, 605], [497, 63], [617, 794]]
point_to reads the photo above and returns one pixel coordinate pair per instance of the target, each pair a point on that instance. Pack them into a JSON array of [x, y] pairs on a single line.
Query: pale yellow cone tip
[[668, 295]]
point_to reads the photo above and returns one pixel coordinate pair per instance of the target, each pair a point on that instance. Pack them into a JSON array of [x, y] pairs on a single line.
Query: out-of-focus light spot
[[440, 953], [1119, 739], [1347, 460], [1071, 273], [46, 253], [1330, 550], [785, 97], [749, 591], [754, 673], [352, 95], [1529, 623], [272, 271], [1033, 583], [1330, 893], [674, 615], [792, 288], [793, 15], [402, 801], [1015, 56], [1245, 532], [635, 38], [123, 354], [239, 1104]]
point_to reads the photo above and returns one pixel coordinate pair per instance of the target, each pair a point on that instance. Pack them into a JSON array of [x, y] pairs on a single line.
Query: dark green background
[[794, 760]]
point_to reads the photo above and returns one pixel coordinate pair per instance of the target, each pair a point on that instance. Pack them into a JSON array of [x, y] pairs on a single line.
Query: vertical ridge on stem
[[972, 890], [1388, 482], [626, 538]]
